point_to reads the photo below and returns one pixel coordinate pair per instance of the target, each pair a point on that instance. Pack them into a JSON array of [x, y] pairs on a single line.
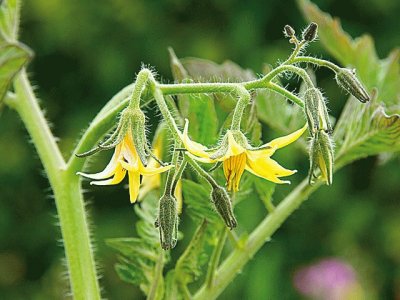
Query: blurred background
[[88, 50]]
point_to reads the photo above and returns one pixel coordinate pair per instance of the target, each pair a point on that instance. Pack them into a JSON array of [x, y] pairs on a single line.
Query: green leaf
[[141, 259], [12, 58], [188, 266], [198, 201], [9, 20], [364, 130]]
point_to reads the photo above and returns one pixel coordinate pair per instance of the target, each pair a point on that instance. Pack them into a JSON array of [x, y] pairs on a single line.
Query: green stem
[[169, 184], [169, 119], [295, 52], [280, 90], [201, 171], [244, 100], [293, 69], [215, 257], [316, 61], [140, 83], [197, 88], [233, 264], [158, 277], [67, 192]]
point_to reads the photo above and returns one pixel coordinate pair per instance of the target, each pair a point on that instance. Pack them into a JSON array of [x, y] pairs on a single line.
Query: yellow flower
[[237, 155], [125, 159], [151, 182]]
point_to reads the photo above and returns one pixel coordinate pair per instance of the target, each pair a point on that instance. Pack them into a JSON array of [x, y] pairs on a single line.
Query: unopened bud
[[321, 156], [316, 111], [347, 80], [223, 205], [310, 33], [168, 222], [288, 31]]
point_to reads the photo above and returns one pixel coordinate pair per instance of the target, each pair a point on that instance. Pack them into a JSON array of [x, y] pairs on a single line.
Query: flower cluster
[[133, 155]]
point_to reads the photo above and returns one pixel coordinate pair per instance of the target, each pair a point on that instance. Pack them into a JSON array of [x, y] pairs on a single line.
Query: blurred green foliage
[[87, 50]]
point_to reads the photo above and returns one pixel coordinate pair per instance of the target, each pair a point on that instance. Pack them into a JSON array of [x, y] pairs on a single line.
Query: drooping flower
[[237, 155], [129, 155], [125, 159]]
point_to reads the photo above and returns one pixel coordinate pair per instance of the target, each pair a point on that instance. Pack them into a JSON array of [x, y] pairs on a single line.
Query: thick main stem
[[241, 256], [67, 192]]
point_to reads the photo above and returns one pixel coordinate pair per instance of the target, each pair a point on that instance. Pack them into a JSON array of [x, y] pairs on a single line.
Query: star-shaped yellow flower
[[125, 159], [238, 155]]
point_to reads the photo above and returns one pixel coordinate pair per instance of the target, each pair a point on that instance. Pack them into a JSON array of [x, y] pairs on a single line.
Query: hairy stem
[[140, 83], [244, 100], [67, 192], [316, 61]]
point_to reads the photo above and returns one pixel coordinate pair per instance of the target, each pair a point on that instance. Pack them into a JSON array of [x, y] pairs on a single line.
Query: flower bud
[[288, 31], [223, 205], [321, 156], [310, 33], [168, 222], [347, 80], [316, 111]]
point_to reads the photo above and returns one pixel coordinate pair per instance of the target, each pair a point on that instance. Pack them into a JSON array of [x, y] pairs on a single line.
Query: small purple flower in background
[[328, 279]]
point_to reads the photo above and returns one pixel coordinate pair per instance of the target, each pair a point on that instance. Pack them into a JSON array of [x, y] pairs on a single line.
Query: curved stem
[[67, 192], [234, 263], [244, 100], [293, 69], [316, 61], [140, 84]]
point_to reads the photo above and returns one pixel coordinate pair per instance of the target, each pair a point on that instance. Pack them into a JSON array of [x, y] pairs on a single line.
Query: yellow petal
[[130, 167], [178, 196], [148, 171], [193, 147], [109, 170], [287, 139], [134, 185], [118, 176], [267, 168]]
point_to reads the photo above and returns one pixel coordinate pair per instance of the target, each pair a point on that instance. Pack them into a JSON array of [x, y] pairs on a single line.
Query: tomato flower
[[237, 155]]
